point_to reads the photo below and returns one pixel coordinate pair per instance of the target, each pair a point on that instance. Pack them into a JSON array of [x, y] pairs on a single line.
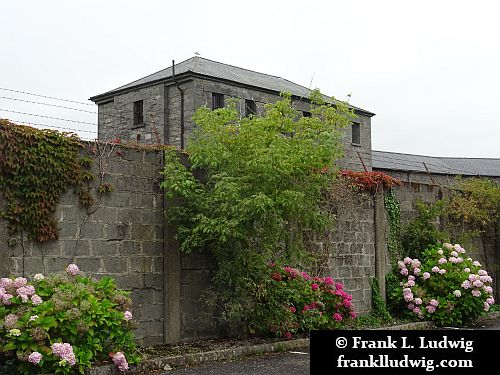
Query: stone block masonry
[[126, 236], [122, 237]]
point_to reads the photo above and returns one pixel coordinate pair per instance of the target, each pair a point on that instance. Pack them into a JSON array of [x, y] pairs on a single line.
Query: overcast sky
[[430, 70]]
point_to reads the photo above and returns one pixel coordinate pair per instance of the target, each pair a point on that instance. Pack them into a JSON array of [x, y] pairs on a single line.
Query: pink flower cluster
[[120, 361], [65, 352], [35, 358], [127, 315], [73, 270], [18, 287]]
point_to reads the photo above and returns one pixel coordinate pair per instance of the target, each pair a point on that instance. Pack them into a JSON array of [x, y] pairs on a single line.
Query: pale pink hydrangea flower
[[476, 293], [38, 277], [426, 275], [435, 269], [65, 352], [454, 254], [473, 277], [442, 260], [467, 269], [442, 272], [490, 300], [411, 283], [120, 361], [453, 260], [459, 260], [404, 272], [36, 299], [35, 358], [440, 252], [457, 293], [416, 263], [469, 259], [416, 310], [19, 282], [486, 306], [33, 318], [2, 292], [401, 264], [73, 270], [416, 271], [488, 289], [448, 246], [482, 273], [476, 263], [5, 283], [411, 277], [127, 315], [434, 303], [431, 309], [466, 284], [407, 260], [411, 306], [24, 298], [478, 284], [6, 299], [418, 301]]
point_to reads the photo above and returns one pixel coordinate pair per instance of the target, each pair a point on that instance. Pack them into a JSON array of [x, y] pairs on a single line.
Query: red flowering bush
[[291, 301]]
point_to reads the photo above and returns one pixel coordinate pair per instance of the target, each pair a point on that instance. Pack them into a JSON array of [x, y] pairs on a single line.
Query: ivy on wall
[[393, 211], [36, 166]]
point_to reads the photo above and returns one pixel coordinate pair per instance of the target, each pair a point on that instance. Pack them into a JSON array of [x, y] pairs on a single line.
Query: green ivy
[[379, 308], [36, 167], [393, 211]]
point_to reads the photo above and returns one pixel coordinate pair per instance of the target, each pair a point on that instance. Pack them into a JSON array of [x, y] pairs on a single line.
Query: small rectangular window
[[306, 114], [139, 112], [217, 100], [250, 108], [356, 133]]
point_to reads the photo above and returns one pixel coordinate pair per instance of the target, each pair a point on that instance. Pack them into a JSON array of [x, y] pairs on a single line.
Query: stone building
[[158, 108]]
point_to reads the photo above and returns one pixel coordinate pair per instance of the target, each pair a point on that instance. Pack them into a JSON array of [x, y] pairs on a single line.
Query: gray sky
[[430, 70]]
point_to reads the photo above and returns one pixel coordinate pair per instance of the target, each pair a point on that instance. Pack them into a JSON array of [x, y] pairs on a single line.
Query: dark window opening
[[306, 114], [139, 112], [356, 133], [217, 100], [250, 108]]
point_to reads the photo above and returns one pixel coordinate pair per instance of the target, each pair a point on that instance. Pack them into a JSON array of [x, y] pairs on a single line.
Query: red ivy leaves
[[369, 180]]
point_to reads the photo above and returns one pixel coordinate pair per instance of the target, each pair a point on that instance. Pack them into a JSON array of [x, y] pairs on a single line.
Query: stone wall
[[352, 248], [127, 237], [123, 238]]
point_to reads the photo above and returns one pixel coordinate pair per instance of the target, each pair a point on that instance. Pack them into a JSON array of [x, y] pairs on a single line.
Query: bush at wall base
[[63, 324], [290, 301], [446, 286]]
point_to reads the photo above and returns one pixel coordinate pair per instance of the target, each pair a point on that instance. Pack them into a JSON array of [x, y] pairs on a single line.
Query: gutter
[[182, 103]]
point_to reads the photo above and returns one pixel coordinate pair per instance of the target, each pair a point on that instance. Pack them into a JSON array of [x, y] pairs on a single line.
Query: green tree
[[252, 188]]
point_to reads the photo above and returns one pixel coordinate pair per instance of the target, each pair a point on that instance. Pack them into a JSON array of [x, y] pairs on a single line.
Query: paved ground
[[296, 363]]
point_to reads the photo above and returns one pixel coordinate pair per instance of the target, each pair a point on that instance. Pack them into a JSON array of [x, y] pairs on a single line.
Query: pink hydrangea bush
[[449, 288], [291, 302], [62, 323]]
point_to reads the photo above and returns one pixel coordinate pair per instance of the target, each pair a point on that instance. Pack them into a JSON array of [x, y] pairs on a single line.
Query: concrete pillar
[[380, 240]]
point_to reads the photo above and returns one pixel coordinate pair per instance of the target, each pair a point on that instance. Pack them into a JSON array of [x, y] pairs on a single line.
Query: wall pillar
[[380, 240]]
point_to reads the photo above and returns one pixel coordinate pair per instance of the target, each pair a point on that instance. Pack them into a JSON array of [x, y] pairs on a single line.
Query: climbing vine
[[36, 166], [393, 211], [369, 180]]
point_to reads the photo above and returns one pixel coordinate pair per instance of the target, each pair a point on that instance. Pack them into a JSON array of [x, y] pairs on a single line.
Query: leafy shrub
[[291, 302], [422, 232], [447, 288], [63, 323]]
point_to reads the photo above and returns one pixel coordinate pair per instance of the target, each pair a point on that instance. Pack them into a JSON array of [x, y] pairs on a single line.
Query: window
[[306, 114], [250, 108], [356, 133], [217, 100], [139, 112]]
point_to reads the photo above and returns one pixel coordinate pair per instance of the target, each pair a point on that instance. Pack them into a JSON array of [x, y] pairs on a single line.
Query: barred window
[[217, 100], [139, 112]]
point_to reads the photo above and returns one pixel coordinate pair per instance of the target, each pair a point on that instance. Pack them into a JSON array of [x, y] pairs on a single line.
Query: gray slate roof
[[219, 70], [440, 165]]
